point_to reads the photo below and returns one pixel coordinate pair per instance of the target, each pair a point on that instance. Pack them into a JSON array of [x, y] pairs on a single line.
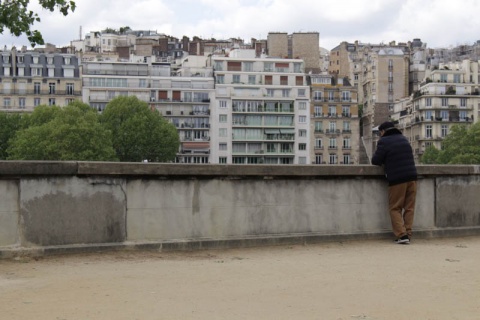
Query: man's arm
[[378, 158]]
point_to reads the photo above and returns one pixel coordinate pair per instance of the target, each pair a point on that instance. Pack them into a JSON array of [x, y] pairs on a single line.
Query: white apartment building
[[260, 114]]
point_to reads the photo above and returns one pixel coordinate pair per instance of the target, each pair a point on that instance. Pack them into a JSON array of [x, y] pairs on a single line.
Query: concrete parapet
[[48, 207]]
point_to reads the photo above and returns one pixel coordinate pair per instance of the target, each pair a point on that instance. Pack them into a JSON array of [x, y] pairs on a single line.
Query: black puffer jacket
[[395, 153]]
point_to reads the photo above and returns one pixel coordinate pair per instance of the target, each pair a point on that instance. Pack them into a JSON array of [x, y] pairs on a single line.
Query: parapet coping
[[234, 171]]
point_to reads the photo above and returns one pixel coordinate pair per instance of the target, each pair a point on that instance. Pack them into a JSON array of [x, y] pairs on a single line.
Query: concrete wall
[[54, 206]]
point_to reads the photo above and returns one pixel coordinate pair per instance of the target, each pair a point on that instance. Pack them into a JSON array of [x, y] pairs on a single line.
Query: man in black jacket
[[395, 154]]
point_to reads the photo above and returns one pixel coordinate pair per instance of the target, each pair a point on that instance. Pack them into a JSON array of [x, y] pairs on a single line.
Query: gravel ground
[[374, 279]]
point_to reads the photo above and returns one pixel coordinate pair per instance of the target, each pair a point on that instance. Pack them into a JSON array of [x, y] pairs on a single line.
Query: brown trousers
[[401, 204]]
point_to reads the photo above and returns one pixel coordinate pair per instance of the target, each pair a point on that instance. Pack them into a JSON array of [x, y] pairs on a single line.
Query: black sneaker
[[402, 240]]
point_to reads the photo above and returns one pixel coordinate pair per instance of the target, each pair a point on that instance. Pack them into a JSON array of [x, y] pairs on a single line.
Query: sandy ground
[[428, 279]]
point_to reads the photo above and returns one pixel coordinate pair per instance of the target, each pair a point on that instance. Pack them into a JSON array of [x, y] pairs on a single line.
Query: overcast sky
[[439, 23]]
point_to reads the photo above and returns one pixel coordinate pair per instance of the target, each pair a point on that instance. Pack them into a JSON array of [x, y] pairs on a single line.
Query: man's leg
[[410, 196], [396, 200]]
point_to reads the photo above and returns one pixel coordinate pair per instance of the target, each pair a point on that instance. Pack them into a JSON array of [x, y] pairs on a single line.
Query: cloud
[[437, 22]]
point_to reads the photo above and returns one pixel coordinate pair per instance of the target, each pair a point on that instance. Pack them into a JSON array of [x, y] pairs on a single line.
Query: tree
[[70, 133], [460, 146], [138, 132], [15, 17], [9, 125]]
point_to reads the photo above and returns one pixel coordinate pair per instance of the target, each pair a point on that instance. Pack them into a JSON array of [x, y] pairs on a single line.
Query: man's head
[[387, 125]]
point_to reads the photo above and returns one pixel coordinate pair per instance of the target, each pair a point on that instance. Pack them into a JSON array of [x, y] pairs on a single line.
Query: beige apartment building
[[335, 121], [449, 95], [385, 74], [29, 79], [298, 45]]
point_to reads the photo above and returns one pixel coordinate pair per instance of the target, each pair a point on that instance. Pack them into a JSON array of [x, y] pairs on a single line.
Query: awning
[[288, 131], [272, 131], [196, 145]]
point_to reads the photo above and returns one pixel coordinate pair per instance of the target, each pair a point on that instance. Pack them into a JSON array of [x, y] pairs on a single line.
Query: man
[[395, 154]]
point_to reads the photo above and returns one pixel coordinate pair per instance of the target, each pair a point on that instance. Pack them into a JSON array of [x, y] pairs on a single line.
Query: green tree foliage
[[70, 133], [138, 132], [18, 19], [9, 125], [461, 146]]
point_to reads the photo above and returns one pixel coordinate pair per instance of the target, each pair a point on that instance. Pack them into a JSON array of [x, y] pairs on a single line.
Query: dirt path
[[429, 279]]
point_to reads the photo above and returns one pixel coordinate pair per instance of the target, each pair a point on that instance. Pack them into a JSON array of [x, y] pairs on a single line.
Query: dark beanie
[[386, 125]]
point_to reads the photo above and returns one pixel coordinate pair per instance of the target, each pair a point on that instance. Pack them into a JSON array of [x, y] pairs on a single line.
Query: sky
[[439, 23]]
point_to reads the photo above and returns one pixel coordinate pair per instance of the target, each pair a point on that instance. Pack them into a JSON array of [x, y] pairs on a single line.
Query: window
[[333, 158], [248, 66], [21, 103], [142, 83], [285, 93], [302, 133], [444, 130], [332, 111], [222, 104], [284, 80], [462, 115], [318, 144], [302, 146], [218, 65], [428, 115], [297, 67], [51, 101], [345, 95], [302, 119], [346, 111], [66, 60], [222, 118], [444, 102], [220, 79], [332, 125], [70, 88], [68, 101], [317, 111], [346, 159], [318, 126], [346, 126], [268, 66], [222, 160], [222, 147], [428, 102], [302, 105], [301, 92], [428, 131], [332, 143], [318, 159], [463, 102], [346, 143], [444, 114], [331, 96], [456, 78], [236, 78], [37, 72], [251, 79], [36, 87], [6, 102], [222, 132], [302, 160], [51, 88], [317, 95], [443, 78], [270, 92], [36, 102]]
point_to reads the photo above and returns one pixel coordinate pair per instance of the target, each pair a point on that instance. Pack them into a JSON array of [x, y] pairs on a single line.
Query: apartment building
[[335, 122], [184, 99], [29, 79], [449, 95], [384, 80], [260, 114], [298, 45]]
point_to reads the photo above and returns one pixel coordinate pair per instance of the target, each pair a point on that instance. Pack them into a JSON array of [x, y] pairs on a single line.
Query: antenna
[[80, 33]]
